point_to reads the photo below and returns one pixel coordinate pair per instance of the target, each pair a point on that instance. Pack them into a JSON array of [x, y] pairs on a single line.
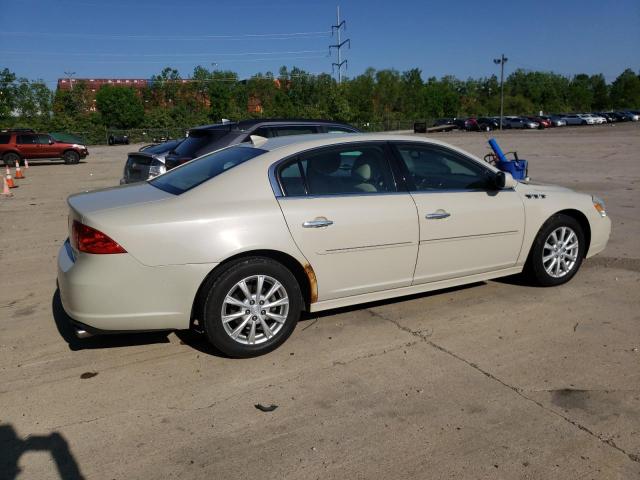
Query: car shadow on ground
[[66, 331], [197, 339], [12, 447]]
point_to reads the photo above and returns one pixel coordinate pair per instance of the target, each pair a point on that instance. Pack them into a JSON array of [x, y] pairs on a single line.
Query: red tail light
[[90, 240]]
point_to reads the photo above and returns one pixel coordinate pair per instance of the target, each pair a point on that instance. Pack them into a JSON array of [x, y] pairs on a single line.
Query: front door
[[345, 214], [466, 225], [47, 148]]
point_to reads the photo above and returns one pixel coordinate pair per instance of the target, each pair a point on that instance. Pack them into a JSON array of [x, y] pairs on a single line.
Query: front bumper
[[118, 293], [600, 233]]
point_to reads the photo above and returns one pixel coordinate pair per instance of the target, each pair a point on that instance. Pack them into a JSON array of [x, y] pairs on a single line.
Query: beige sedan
[[238, 242]]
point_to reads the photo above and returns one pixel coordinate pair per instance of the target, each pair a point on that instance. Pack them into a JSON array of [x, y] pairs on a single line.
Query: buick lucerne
[[237, 243]]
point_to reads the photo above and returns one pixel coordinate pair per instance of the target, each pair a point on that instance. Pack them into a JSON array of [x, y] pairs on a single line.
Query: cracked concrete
[[488, 381]]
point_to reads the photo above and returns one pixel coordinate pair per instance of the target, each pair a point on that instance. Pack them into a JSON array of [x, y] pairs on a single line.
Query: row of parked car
[[486, 124]]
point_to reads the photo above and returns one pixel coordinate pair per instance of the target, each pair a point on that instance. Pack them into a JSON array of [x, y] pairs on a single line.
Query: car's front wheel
[[557, 252], [70, 157], [252, 307]]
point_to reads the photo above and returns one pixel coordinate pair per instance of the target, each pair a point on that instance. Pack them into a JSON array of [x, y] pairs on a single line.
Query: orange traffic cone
[[5, 188], [9, 179], [26, 164], [19, 174]]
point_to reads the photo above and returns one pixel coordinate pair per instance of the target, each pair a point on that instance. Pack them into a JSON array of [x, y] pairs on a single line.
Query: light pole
[[501, 61], [69, 75]]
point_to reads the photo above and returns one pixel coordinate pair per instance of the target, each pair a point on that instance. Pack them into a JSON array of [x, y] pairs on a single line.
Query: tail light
[[89, 240]]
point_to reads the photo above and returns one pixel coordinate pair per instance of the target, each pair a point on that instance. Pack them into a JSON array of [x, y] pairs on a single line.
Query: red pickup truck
[[17, 145]]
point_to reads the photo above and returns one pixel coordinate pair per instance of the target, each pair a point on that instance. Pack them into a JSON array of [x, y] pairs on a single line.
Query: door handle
[[317, 223], [438, 215]]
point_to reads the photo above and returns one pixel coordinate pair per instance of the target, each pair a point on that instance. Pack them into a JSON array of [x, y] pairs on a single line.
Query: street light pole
[[501, 61]]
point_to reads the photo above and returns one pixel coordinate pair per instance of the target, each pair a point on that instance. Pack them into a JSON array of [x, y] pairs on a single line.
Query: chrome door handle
[[439, 215], [317, 223]]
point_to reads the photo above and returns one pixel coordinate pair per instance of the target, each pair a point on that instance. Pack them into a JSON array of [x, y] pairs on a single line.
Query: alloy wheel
[[560, 252]]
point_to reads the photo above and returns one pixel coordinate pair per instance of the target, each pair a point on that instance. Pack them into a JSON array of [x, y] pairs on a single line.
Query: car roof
[[304, 142], [247, 124]]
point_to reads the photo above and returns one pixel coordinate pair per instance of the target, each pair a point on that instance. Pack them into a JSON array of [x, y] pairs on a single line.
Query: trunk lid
[[116, 197]]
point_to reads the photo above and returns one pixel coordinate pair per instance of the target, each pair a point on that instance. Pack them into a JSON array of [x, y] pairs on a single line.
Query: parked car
[[518, 122], [21, 144], [238, 242], [607, 116], [118, 140], [443, 121], [597, 119], [555, 120], [206, 139], [541, 121], [577, 119], [622, 116], [148, 162], [487, 124], [467, 124], [633, 115]]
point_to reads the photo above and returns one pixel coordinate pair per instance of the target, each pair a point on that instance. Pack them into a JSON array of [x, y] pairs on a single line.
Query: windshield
[[198, 171]]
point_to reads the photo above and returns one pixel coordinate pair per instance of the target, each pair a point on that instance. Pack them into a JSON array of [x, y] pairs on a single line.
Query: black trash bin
[[420, 127]]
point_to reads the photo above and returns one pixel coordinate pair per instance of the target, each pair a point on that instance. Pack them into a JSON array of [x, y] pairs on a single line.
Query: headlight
[[598, 204]]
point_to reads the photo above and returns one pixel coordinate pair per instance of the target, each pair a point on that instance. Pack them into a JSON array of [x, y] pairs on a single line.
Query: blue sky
[[137, 38]]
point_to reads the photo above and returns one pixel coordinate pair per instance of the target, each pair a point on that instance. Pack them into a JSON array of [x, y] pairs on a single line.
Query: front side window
[[434, 168], [200, 170], [338, 170], [43, 139], [4, 138]]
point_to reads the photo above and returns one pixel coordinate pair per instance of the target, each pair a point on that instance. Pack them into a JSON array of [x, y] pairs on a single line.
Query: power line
[[171, 62], [340, 25], [274, 36], [203, 54]]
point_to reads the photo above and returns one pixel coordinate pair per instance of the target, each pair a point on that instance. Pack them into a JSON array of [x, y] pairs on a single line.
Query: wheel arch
[[582, 219], [12, 151], [304, 274]]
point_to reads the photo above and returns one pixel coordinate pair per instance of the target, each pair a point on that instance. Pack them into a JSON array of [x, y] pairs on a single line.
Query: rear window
[[163, 147], [198, 171], [198, 139], [4, 138]]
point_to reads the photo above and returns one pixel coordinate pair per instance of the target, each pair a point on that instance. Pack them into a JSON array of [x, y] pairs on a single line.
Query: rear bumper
[[118, 293]]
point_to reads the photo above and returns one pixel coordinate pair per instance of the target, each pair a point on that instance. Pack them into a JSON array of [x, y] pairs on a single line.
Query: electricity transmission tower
[[340, 25]]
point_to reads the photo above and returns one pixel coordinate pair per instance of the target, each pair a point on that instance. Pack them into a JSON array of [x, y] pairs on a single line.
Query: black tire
[[535, 269], [225, 282], [10, 159], [70, 157]]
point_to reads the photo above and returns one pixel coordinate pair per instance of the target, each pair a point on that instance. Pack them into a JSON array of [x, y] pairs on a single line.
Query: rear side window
[[354, 169], [4, 138], [26, 139], [285, 131], [194, 173]]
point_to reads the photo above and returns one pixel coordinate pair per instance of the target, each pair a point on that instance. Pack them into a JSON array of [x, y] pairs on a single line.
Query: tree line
[[376, 99]]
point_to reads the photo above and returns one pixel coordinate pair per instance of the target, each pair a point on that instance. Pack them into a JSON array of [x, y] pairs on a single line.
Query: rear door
[[28, 145], [466, 225], [358, 232]]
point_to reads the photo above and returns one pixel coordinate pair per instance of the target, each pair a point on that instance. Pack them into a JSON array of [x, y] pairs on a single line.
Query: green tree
[[625, 90], [120, 107], [7, 94]]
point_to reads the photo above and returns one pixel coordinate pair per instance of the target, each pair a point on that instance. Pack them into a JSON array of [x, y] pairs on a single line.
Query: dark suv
[[17, 145], [208, 138]]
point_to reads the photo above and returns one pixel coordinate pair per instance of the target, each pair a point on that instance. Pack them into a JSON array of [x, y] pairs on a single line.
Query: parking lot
[[493, 380]]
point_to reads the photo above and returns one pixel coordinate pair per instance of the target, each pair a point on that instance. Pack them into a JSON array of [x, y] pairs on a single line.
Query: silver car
[[519, 122], [148, 162]]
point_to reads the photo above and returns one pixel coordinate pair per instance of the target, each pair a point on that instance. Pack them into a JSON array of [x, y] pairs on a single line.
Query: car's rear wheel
[[252, 307], [10, 159], [70, 157], [557, 252]]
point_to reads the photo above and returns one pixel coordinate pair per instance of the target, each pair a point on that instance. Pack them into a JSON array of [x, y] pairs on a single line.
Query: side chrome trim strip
[[463, 237]]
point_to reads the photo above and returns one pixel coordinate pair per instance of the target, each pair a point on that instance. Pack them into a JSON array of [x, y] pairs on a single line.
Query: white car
[[238, 242], [578, 119], [597, 119]]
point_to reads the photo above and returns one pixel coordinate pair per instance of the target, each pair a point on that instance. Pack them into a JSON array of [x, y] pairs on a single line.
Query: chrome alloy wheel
[[560, 252], [255, 309]]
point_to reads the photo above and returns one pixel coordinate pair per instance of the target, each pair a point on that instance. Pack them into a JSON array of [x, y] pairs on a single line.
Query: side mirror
[[504, 180], [51, 142]]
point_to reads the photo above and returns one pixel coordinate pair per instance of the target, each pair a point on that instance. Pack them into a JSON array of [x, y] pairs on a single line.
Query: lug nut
[[252, 302], [261, 302], [254, 318], [247, 312], [263, 312]]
